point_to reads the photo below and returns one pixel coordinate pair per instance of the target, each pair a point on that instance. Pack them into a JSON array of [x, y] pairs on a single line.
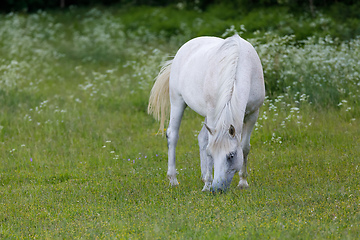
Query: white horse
[[222, 80]]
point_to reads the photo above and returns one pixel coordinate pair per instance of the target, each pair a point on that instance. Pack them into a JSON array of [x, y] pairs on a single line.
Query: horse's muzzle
[[223, 185]]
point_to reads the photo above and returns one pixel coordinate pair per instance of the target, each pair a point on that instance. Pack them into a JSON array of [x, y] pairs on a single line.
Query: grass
[[305, 186], [80, 157]]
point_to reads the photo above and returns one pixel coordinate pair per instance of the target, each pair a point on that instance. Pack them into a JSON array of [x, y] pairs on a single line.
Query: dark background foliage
[[33, 5]]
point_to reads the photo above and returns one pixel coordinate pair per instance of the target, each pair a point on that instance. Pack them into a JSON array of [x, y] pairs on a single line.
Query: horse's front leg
[[206, 159], [248, 126], [172, 135]]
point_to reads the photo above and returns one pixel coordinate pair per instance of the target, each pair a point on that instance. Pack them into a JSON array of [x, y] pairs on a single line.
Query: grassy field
[[80, 157]]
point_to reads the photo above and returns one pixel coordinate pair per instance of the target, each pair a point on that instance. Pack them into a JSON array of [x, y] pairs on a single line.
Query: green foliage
[[80, 157], [324, 70]]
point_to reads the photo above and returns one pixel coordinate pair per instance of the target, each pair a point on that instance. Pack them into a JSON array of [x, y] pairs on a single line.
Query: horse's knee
[[172, 137], [168, 132], [246, 150]]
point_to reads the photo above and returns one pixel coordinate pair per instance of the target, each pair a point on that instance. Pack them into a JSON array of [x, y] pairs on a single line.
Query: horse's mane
[[227, 110]]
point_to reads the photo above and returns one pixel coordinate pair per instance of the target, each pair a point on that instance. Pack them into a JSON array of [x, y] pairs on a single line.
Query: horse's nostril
[[220, 187]]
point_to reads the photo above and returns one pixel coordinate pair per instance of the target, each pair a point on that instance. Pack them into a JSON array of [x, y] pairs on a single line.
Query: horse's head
[[224, 147]]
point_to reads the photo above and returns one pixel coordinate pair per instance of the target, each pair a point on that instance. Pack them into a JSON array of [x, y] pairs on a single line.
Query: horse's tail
[[159, 101]]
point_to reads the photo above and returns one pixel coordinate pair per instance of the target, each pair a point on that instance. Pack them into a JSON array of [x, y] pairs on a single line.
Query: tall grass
[[80, 157]]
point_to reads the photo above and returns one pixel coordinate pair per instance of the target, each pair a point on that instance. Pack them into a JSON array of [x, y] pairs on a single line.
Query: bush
[[323, 69]]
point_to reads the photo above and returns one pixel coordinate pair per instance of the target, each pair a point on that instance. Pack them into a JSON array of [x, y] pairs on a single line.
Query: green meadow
[[80, 158]]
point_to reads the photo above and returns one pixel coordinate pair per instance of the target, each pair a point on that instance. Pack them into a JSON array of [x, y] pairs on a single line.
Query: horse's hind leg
[[206, 160], [172, 135], [249, 123]]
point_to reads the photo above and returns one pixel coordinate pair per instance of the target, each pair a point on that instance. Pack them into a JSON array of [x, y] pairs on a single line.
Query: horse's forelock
[[221, 142], [221, 139]]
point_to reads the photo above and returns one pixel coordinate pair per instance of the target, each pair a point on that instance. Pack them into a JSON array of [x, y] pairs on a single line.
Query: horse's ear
[[209, 129], [232, 131]]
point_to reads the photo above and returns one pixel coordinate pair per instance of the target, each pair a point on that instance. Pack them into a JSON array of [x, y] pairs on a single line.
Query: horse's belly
[[196, 104]]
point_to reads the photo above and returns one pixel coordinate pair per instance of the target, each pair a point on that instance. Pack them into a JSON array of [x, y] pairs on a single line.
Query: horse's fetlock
[[243, 184]]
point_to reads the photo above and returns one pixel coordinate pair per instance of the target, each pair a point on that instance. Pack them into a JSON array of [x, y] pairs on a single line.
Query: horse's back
[[194, 55], [189, 71], [195, 74]]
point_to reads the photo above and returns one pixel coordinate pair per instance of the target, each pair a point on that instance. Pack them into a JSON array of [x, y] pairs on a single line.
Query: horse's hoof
[[243, 184], [174, 182], [207, 187]]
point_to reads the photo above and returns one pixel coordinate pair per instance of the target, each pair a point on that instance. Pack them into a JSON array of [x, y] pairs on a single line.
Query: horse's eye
[[231, 156], [232, 131]]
